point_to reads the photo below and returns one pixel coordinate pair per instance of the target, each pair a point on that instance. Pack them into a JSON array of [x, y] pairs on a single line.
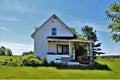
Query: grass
[[55, 73], [3, 58]]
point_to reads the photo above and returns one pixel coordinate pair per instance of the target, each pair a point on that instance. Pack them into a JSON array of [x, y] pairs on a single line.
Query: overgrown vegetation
[[27, 60], [10, 61], [91, 34], [33, 61], [62, 73], [5, 51], [113, 14], [27, 53]]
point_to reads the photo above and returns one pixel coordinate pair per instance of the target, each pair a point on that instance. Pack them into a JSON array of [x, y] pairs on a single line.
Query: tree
[[5, 51], [90, 34], [2, 50], [9, 52], [113, 13]]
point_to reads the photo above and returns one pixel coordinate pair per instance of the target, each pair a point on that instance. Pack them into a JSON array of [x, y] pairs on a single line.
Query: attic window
[[54, 31]]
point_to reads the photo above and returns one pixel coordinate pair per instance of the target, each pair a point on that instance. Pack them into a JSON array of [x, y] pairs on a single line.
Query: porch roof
[[68, 39]]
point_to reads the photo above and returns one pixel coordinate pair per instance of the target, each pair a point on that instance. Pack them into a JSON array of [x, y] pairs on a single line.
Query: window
[[62, 49], [59, 49], [65, 49], [54, 31]]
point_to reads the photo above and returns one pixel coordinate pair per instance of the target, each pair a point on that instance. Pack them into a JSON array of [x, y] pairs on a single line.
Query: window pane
[[53, 31], [59, 49], [65, 49]]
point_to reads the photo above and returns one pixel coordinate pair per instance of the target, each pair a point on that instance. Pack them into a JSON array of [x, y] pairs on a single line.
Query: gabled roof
[[53, 16]]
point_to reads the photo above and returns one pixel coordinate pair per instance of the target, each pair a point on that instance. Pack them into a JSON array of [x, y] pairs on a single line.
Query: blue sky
[[18, 18]]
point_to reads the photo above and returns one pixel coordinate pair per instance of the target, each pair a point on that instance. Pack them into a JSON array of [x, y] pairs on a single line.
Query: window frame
[[62, 49], [54, 31]]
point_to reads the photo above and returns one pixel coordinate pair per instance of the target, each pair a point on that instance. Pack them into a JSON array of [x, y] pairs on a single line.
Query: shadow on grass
[[95, 66]]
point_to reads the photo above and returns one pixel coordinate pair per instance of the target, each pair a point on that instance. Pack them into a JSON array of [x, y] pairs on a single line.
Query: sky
[[19, 17]]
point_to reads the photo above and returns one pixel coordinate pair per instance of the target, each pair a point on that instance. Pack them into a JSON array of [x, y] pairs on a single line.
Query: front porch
[[65, 51], [66, 59]]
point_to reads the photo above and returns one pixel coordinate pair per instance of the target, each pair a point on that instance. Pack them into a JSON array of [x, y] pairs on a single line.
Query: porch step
[[73, 63]]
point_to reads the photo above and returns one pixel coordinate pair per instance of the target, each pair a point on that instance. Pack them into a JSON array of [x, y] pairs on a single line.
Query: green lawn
[[53, 72]]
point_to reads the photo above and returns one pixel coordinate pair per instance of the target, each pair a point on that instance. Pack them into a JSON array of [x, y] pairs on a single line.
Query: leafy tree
[[2, 50], [90, 34], [5, 51], [113, 13], [8, 52]]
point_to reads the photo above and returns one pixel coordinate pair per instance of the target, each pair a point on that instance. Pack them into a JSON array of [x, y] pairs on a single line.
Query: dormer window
[[54, 31]]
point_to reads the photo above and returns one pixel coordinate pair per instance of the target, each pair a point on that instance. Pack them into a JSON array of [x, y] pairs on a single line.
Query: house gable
[[54, 22]]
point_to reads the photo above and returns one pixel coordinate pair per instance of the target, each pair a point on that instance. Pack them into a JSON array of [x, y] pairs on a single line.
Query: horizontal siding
[[41, 46]]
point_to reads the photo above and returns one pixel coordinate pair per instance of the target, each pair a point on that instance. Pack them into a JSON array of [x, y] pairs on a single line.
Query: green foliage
[[52, 63], [78, 35], [62, 73], [43, 61], [73, 30], [113, 13], [5, 51], [9, 52], [78, 46], [90, 34], [10, 61], [27, 53], [30, 60], [2, 50]]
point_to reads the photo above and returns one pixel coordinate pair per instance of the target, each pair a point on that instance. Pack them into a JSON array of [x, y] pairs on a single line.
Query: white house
[[54, 40]]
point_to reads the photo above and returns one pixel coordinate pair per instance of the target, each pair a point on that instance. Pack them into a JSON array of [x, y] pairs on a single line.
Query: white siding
[[41, 46]]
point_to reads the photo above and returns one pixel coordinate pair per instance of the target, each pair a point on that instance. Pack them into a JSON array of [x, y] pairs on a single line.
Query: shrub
[[30, 60], [43, 61], [52, 63], [11, 62], [27, 53]]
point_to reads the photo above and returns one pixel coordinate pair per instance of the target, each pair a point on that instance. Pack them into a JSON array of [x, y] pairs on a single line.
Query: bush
[[27, 53], [30, 60], [10, 62], [43, 61], [52, 63]]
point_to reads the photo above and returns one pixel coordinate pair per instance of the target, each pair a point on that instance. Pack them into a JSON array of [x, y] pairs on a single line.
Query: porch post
[[69, 48], [91, 53], [88, 51]]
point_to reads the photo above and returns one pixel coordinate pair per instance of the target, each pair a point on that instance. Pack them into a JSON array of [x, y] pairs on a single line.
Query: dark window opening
[[54, 31], [62, 49]]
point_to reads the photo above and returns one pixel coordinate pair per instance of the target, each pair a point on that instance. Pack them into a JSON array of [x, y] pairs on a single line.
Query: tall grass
[[54, 73]]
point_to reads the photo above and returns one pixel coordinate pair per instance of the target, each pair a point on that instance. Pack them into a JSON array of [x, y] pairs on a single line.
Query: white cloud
[[15, 6], [18, 7], [12, 19], [4, 29], [17, 48]]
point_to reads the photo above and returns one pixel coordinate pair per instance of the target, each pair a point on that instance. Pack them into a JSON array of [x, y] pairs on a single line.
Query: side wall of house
[[41, 46]]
